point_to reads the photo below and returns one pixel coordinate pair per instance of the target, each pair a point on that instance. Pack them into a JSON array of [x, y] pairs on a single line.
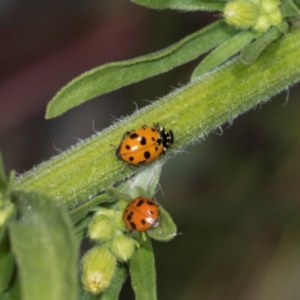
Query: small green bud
[[241, 13], [101, 229], [123, 247], [263, 24], [98, 269], [269, 6], [275, 17]]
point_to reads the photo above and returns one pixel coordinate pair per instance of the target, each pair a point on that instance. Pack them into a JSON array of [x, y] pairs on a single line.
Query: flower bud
[[98, 269], [241, 13], [275, 17], [263, 24], [123, 247], [101, 229], [269, 5]]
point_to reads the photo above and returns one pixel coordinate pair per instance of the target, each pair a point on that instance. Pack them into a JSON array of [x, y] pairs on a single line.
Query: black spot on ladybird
[[147, 154], [133, 226], [143, 140], [131, 158], [130, 215], [143, 221], [133, 135], [127, 147], [141, 201], [151, 203]]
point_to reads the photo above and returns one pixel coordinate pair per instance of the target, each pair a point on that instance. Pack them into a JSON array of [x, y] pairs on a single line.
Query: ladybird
[[141, 214], [144, 145]]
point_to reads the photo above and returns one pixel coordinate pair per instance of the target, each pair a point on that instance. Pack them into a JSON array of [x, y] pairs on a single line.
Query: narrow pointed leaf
[[142, 272], [44, 246], [223, 52], [289, 9], [113, 76], [166, 230], [182, 5], [252, 51]]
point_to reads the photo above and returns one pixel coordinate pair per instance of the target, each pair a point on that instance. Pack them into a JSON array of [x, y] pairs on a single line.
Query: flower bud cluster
[[107, 230], [259, 15]]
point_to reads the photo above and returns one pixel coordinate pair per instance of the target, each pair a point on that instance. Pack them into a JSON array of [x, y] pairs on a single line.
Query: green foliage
[[254, 16], [38, 245], [142, 272], [43, 244], [188, 5], [191, 112], [250, 53], [113, 76], [223, 52]]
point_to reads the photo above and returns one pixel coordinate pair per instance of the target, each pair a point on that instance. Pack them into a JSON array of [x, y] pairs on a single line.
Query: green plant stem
[[191, 112]]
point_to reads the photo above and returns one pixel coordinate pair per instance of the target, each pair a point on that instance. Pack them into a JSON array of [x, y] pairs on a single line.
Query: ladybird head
[[167, 136]]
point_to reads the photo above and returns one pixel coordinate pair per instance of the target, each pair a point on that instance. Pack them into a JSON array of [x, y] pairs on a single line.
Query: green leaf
[[44, 246], [142, 272], [223, 52], [113, 76], [289, 9], [182, 5], [6, 264], [252, 51], [166, 229], [143, 183]]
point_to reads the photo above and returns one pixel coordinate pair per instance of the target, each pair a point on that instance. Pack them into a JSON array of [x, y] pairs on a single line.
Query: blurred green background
[[235, 196]]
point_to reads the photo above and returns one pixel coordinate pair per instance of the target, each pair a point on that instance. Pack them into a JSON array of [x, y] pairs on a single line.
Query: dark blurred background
[[235, 197]]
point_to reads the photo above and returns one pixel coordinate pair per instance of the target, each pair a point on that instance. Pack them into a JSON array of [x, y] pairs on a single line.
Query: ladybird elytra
[[141, 214], [144, 145]]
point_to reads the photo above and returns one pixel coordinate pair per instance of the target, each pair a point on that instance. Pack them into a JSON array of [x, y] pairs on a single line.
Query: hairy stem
[[191, 112]]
